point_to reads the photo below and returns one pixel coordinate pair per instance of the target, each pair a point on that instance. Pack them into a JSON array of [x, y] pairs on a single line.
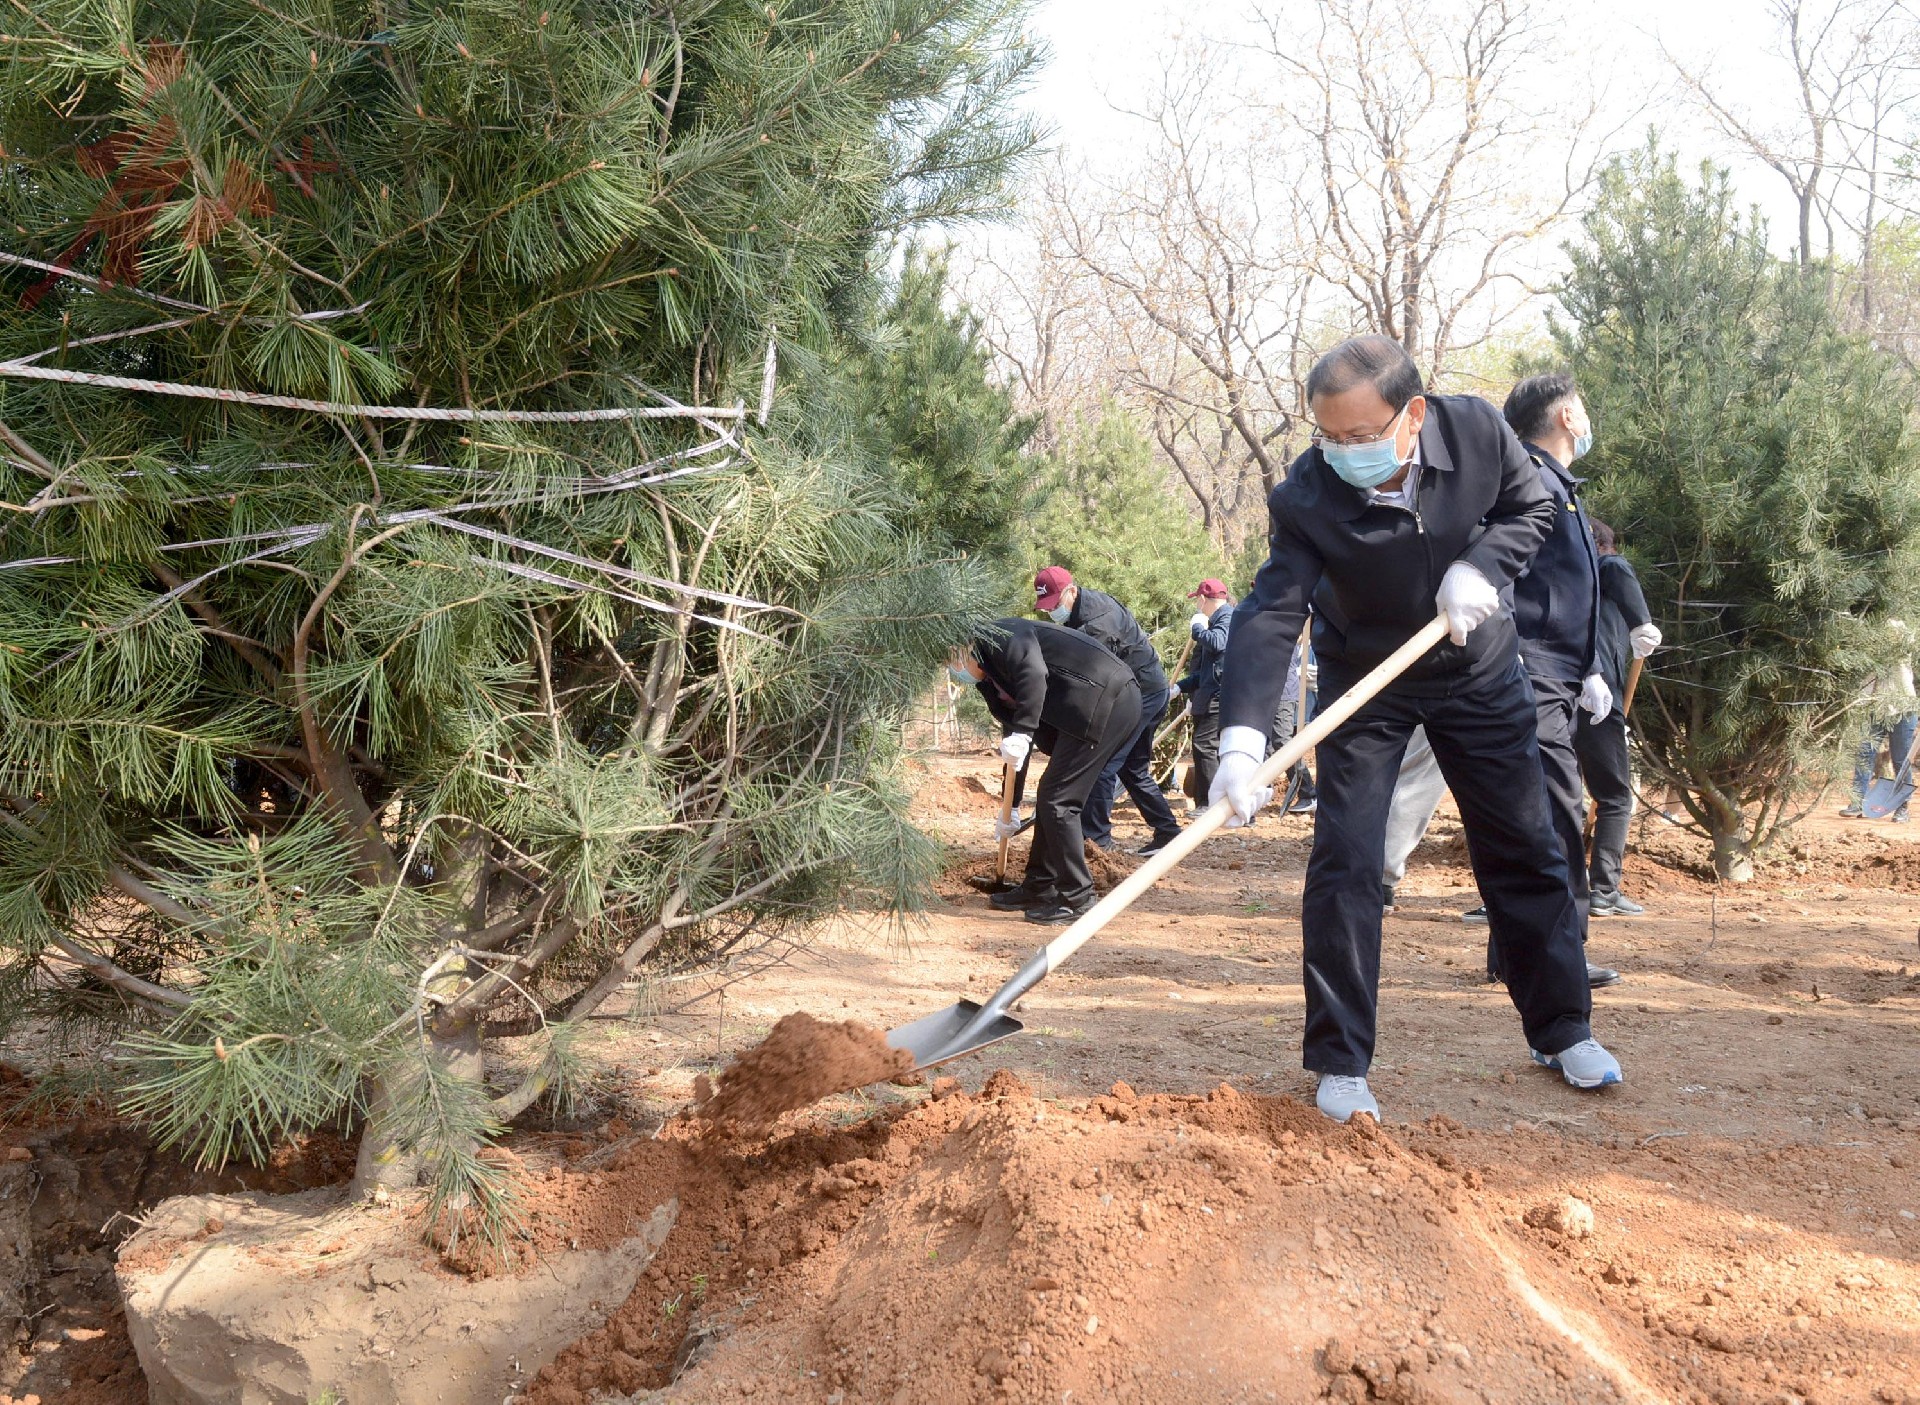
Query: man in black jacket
[[1211, 626], [1408, 503], [1100, 617], [1053, 690], [1627, 631]]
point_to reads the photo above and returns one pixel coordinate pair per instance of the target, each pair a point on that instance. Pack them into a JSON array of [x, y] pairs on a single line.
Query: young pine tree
[[411, 628], [1762, 468]]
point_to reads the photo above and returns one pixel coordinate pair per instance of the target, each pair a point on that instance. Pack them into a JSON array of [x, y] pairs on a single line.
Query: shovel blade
[[1884, 797], [981, 884], [935, 1038]]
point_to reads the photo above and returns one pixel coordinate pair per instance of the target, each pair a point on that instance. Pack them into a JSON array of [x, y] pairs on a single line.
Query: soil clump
[[801, 1061]]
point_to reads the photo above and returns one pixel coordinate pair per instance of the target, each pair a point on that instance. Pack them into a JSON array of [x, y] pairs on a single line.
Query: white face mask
[[1060, 614], [961, 676]]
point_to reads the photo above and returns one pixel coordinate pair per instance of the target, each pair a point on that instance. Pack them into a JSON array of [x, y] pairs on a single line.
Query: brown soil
[[802, 1061]]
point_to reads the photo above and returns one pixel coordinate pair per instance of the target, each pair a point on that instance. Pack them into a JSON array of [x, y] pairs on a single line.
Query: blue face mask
[[1365, 465], [1060, 614], [961, 676], [1582, 444]]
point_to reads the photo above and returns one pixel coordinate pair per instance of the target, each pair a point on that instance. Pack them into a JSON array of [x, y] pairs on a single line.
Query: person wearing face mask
[[1556, 611], [1406, 504], [1211, 625], [1053, 690], [1102, 618]]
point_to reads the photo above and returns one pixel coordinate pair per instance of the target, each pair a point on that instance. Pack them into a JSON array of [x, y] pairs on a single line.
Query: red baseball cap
[[1210, 589], [1048, 584]]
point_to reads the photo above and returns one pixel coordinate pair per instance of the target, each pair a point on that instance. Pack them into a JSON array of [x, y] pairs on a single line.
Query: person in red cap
[[1211, 621], [1102, 618]]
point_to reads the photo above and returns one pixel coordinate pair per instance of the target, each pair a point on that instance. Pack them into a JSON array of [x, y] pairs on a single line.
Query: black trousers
[[1206, 752], [1485, 739], [1132, 767], [1602, 748], [1556, 706], [1057, 862]]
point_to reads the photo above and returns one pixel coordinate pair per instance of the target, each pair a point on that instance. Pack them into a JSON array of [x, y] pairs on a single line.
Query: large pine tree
[[412, 625], [1761, 465]]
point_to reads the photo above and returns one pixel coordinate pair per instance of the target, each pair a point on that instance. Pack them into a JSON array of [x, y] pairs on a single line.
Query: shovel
[[967, 1026], [1884, 797], [998, 883]]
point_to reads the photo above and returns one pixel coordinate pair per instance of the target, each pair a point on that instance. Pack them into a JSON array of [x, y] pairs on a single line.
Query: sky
[[1102, 48]]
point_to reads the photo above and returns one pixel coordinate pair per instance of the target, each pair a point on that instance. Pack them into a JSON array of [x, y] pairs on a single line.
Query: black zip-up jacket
[[1556, 599], [1623, 607], [1372, 570], [1100, 617], [1202, 682], [1047, 680]]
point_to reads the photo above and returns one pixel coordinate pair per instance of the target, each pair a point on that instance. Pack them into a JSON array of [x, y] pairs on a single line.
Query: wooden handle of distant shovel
[[1274, 767], [1009, 777], [1633, 681]]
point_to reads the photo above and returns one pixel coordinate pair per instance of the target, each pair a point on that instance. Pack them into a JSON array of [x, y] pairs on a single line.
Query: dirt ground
[[1745, 1227], [1133, 1200]]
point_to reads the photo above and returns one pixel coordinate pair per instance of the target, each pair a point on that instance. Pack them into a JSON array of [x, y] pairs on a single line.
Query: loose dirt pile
[[799, 1063], [1127, 1248]]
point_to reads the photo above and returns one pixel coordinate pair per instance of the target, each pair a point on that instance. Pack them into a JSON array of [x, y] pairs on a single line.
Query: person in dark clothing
[[1405, 504], [1212, 620], [1100, 617], [1627, 631], [1556, 613], [1057, 691]]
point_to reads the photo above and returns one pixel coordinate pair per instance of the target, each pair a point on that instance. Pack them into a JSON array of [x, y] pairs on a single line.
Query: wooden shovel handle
[[1009, 777], [1633, 682], [1122, 897]]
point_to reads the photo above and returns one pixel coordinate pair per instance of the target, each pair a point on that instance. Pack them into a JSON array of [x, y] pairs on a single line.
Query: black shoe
[[1057, 913], [1020, 898], [1156, 844], [1599, 975], [1476, 914], [1852, 812], [1306, 805], [1386, 897]]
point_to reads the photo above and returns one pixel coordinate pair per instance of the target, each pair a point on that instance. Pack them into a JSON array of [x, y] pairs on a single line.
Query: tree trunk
[[454, 1043], [1732, 855]]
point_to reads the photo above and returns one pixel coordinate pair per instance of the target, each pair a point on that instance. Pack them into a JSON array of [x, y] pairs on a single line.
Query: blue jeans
[[1131, 766], [1898, 735]]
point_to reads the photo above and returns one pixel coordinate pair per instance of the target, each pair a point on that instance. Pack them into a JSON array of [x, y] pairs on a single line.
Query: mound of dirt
[[800, 1062], [1108, 867], [1127, 1248]]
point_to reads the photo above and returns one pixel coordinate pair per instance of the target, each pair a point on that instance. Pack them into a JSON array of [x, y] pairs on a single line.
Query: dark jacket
[[1047, 681], [1372, 570], [1556, 599], [1100, 617], [1202, 682], [1622, 607]]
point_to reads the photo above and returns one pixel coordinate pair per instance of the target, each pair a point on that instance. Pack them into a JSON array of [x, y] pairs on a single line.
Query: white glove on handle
[[1009, 827], [1596, 697], [1015, 748], [1468, 598], [1197, 624], [1241, 751], [1644, 638]]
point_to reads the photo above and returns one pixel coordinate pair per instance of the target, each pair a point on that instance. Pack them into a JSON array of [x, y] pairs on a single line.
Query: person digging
[[1406, 503], [1057, 691]]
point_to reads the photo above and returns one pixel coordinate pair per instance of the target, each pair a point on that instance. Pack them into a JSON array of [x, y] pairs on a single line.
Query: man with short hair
[[1102, 618], [1053, 690], [1212, 621], [1405, 504]]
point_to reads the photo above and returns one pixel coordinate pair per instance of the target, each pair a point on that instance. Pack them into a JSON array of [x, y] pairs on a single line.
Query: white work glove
[[1009, 827], [1644, 639], [1173, 689], [1468, 598], [1198, 624], [1310, 677], [1015, 748], [1241, 751], [1596, 697]]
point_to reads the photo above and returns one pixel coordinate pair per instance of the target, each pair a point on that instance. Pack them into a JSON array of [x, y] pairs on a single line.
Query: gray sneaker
[[1614, 905], [1340, 1096], [1585, 1065]]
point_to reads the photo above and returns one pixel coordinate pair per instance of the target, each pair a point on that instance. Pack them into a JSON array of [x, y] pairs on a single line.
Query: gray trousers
[[1416, 795]]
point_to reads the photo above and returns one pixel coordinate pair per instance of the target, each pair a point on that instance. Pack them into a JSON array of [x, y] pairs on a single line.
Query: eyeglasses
[[1322, 439]]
